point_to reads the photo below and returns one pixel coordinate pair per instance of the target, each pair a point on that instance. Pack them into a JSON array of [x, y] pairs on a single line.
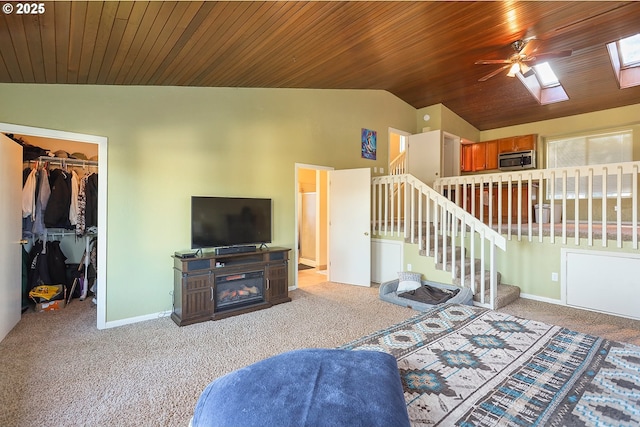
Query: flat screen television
[[229, 221]]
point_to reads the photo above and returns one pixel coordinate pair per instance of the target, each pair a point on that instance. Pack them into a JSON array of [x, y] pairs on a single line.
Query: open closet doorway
[[311, 249], [97, 146]]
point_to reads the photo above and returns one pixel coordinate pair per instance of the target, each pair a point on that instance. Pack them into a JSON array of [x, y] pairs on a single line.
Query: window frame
[[626, 148]]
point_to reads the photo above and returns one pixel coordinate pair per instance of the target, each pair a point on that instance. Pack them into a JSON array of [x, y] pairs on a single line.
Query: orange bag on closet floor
[[50, 306]]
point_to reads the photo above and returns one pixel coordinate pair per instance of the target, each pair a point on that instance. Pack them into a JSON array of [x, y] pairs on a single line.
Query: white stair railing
[[398, 165], [508, 200], [403, 206]]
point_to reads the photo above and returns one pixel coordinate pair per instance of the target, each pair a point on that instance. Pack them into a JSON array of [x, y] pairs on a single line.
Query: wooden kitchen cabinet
[[479, 156], [466, 158], [492, 202], [486, 202], [517, 143], [491, 155], [513, 213]]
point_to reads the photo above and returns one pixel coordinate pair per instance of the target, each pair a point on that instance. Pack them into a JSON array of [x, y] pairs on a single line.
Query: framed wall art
[[368, 143]]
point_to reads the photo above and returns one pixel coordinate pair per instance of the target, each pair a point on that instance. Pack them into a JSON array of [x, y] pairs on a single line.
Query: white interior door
[[11, 232], [349, 226], [424, 156]]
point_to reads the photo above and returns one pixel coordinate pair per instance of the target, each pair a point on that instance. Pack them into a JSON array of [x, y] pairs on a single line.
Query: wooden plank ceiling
[[423, 52]]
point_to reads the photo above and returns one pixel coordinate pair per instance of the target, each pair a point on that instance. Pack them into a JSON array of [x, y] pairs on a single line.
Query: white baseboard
[[542, 299], [131, 320], [558, 302]]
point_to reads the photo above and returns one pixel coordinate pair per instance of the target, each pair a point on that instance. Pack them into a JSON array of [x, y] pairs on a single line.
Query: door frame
[[394, 131], [101, 318], [296, 233], [455, 153]]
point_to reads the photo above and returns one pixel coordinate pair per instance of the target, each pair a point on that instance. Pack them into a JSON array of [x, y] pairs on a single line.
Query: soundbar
[[226, 250]]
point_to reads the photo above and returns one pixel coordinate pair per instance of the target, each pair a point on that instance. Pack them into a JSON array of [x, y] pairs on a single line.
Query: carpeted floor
[[611, 327], [57, 369]]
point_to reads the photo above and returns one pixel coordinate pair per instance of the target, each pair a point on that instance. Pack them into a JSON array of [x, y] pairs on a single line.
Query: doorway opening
[[450, 155], [398, 141], [101, 242], [311, 224]]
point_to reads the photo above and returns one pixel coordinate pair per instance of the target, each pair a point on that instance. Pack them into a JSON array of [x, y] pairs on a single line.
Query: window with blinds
[[584, 150]]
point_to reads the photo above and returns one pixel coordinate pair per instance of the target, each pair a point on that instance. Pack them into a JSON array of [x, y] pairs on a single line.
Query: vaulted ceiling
[[422, 52]]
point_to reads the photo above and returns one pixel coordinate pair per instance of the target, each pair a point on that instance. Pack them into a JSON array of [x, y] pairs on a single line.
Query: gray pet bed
[[388, 293]]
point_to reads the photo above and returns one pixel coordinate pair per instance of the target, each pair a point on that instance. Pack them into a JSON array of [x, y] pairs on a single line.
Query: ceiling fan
[[520, 61]]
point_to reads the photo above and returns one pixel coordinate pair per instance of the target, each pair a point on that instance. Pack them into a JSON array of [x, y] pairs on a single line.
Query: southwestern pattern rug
[[468, 366]]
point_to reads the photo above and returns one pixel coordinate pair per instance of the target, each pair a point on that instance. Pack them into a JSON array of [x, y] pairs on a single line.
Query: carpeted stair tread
[[458, 272], [506, 295], [477, 279]]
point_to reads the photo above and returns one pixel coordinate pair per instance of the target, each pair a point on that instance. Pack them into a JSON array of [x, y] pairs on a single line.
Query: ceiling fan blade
[[493, 61], [531, 45], [493, 73]]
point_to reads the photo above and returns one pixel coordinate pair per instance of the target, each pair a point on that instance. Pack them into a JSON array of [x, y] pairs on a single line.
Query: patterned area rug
[[468, 366]]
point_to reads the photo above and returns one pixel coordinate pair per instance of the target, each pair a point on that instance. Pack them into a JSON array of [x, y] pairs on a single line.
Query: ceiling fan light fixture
[[513, 70]]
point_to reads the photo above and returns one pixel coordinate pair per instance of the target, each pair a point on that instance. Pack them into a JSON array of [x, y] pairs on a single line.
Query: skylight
[[546, 75], [630, 51], [625, 60], [543, 84]]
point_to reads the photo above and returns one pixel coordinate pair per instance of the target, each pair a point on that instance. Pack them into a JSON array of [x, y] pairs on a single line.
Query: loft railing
[[403, 206], [398, 165], [588, 202]]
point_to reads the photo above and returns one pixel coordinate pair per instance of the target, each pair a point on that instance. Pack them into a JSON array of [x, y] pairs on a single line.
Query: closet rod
[[63, 161]]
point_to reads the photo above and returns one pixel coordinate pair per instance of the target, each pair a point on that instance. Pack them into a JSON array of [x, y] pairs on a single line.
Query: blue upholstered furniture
[[310, 387]]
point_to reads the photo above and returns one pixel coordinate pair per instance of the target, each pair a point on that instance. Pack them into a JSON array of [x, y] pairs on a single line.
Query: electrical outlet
[[409, 267], [554, 277]]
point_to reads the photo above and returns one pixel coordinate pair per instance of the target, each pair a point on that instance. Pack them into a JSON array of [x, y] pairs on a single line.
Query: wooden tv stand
[[212, 287]]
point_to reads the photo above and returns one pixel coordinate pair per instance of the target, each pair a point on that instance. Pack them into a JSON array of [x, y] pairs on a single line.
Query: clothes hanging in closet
[[58, 198], [56, 214], [87, 204]]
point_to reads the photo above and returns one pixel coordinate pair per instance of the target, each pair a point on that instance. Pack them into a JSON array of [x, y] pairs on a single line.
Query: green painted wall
[[440, 117], [424, 265], [168, 143]]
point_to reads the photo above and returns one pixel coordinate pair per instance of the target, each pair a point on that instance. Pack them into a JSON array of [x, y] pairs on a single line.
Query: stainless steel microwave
[[517, 160]]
